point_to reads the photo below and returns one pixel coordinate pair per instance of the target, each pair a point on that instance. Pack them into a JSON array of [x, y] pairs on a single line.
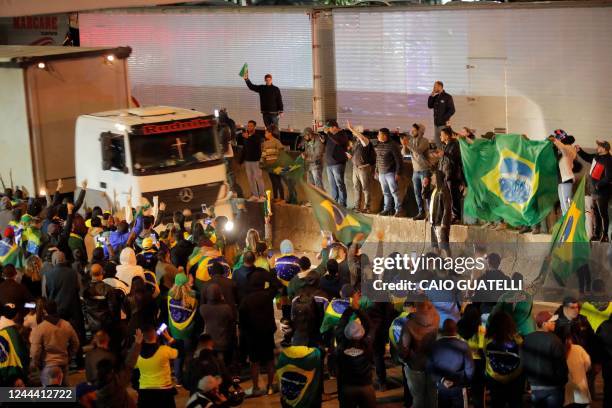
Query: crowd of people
[[148, 302], [146, 308]]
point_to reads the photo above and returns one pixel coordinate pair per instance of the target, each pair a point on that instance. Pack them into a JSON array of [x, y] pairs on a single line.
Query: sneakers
[[419, 216], [524, 229], [536, 230], [254, 392], [397, 213], [252, 198], [385, 212]]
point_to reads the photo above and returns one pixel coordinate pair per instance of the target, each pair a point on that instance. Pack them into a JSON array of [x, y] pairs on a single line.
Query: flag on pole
[[570, 243], [509, 178], [344, 224], [244, 70]]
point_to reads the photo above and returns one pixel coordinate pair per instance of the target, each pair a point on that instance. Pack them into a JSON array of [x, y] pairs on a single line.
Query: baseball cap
[[544, 317], [568, 300], [307, 131], [180, 279], [604, 144], [147, 243]]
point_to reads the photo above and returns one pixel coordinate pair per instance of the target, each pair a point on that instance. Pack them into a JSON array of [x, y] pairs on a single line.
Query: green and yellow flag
[[344, 224], [509, 178], [570, 243], [244, 69], [13, 354], [299, 370], [287, 166], [11, 254]]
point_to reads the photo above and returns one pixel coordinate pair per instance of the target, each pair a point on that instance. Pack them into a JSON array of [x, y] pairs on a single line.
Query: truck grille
[[191, 197]]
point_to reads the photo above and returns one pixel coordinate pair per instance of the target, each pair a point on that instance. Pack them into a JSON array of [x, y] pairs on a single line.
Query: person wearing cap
[[313, 157], [182, 306], [544, 364], [10, 252], [418, 147], [569, 315], [147, 258], [566, 156], [336, 146], [601, 179], [354, 354], [270, 99], [12, 291]]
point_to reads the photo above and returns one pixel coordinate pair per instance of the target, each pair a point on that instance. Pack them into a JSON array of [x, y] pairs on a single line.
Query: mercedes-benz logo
[[186, 195]]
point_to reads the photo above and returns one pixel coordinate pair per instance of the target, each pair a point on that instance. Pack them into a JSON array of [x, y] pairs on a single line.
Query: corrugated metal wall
[[547, 68], [192, 59]]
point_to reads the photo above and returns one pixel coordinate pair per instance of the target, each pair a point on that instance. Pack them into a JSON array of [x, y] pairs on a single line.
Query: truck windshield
[[164, 152]]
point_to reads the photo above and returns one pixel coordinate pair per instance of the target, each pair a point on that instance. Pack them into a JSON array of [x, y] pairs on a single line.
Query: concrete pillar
[[324, 104]]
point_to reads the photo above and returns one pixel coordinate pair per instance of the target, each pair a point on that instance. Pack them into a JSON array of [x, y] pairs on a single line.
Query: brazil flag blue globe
[[509, 178]]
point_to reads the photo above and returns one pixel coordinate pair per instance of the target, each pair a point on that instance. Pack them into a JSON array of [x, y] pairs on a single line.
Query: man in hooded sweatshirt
[[53, 342], [417, 338]]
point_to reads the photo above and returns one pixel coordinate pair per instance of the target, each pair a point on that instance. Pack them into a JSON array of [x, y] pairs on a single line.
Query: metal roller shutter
[[191, 58], [527, 68]]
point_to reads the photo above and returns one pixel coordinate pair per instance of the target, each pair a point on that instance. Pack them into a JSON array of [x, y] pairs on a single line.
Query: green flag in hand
[[244, 70], [341, 222], [509, 178], [287, 166], [570, 243]]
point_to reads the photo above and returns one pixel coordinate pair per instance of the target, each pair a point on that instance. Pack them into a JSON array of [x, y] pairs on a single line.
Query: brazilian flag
[[570, 243], [509, 178], [181, 319], [287, 166], [13, 354], [11, 254], [341, 222], [200, 264], [332, 314], [31, 236], [299, 372]]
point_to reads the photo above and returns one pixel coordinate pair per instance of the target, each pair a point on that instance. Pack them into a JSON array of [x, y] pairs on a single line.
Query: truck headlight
[[229, 226]]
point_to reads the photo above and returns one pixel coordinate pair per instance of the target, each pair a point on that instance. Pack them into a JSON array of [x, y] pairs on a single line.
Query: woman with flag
[[182, 306]]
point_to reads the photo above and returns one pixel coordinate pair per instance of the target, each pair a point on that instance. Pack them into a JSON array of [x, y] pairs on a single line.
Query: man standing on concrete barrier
[[270, 99], [443, 108], [336, 144], [313, 157]]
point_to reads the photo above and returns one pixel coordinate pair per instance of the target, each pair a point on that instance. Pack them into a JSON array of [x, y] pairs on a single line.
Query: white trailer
[[44, 90]]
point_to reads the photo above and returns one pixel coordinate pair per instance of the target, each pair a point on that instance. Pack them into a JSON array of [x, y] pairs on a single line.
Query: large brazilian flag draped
[[299, 371], [570, 243], [509, 178], [13, 354]]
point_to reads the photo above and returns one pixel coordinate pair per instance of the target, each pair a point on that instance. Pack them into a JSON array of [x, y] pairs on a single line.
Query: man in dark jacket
[[601, 180], [97, 309], [270, 99], [544, 362], [604, 335], [388, 169], [443, 108], [451, 366], [363, 159], [256, 319], [251, 155], [228, 287], [336, 145], [440, 213], [11, 291], [416, 340], [179, 254], [241, 275], [451, 166]]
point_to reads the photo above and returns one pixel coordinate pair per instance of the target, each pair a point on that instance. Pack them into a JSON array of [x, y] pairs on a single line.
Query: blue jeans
[[565, 196], [315, 175], [390, 191], [335, 176], [548, 398], [417, 185], [270, 119]]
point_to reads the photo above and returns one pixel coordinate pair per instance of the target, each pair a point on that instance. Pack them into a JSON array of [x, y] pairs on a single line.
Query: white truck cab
[[162, 151]]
